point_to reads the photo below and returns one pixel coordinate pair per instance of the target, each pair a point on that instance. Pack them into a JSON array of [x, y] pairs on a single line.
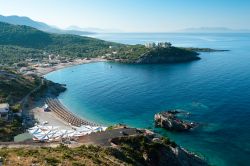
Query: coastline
[[102, 138], [42, 71], [51, 118]]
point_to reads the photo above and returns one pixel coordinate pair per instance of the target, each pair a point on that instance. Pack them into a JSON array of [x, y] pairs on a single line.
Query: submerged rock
[[169, 121]]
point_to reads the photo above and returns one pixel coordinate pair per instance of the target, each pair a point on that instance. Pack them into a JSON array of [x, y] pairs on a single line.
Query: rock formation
[[169, 121]]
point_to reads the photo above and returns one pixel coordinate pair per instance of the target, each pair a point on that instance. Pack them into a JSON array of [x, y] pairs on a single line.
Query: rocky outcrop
[[167, 55], [155, 151], [204, 49], [169, 121]]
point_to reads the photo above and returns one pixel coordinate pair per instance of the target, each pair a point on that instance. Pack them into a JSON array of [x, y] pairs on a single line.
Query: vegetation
[[16, 108], [203, 49], [10, 54], [134, 150], [167, 55], [14, 86], [9, 129], [62, 155], [20, 42]]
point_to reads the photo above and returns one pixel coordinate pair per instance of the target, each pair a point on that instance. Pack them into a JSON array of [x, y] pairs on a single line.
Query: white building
[[164, 44], [159, 45], [150, 45], [4, 110], [51, 57]]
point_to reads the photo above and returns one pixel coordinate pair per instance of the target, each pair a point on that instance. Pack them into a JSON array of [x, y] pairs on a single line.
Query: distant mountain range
[[214, 30], [91, 29], [17, 20]]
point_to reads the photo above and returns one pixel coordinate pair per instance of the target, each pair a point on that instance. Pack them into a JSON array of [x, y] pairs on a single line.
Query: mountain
[[214, 30], [18, 42], [17, 20], [28, 37], [91, 29]]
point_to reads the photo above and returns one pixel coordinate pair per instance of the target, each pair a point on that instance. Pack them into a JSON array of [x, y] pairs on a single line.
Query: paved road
[[99, 138]]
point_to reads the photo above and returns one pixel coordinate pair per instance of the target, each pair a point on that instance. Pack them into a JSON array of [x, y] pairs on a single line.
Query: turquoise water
[[216, 90]]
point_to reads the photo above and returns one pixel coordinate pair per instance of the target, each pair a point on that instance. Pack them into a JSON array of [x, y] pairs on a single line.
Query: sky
[[134, 15]]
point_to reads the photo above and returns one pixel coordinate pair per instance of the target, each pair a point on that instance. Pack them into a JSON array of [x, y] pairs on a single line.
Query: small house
[[4, 111]]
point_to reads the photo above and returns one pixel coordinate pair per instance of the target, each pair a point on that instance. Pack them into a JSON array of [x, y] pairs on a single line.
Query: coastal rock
[[169, 121], [156, 152], [54, 88]]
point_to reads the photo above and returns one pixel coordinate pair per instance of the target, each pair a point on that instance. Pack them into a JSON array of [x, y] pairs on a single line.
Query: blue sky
[[134, 15]]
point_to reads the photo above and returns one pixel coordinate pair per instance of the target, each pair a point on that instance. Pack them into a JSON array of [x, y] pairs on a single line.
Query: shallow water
[[215, 90]]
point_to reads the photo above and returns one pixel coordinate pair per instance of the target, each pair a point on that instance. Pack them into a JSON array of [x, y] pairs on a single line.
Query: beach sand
[[36, 109], [41, 71], [49, 117]]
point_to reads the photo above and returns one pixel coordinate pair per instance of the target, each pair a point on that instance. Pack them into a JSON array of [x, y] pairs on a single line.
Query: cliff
[[155, 151]]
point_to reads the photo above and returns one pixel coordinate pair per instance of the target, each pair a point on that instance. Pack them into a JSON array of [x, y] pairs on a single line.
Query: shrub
[[51, 161]]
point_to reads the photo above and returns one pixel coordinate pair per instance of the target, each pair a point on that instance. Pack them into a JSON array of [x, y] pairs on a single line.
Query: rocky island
[[170, 121]]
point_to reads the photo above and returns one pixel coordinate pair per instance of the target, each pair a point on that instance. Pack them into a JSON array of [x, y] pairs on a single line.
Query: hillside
[[141, 55], [133, 150], [29, 42], [17, 20], [14, 86], [32, 43]]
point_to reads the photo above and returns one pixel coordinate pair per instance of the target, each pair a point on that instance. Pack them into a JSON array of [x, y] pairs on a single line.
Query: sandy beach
[[50, 118], [41, 71], [37, 108]]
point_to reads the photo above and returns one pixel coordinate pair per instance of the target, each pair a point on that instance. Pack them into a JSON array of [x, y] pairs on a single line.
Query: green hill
[[27, 40], [14, 86], [18, 42], [23, 36], [142, 55]]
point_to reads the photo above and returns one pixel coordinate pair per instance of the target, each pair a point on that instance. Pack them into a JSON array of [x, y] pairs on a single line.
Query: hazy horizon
[[141, 16]]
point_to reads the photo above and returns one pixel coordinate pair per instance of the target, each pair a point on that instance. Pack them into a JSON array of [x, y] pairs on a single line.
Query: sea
[[215, 90]]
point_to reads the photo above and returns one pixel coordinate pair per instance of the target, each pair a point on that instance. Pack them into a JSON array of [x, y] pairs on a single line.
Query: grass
[[62, 155]]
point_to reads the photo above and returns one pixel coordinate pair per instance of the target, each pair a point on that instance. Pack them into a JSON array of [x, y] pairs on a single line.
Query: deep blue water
[[215, 89]]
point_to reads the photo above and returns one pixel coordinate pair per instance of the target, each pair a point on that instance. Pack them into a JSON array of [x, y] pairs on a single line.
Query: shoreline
[[42, 71], [51, 117]]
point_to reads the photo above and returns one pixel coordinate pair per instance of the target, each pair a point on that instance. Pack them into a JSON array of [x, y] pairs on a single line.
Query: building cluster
[[158, 45], [4, 111]]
